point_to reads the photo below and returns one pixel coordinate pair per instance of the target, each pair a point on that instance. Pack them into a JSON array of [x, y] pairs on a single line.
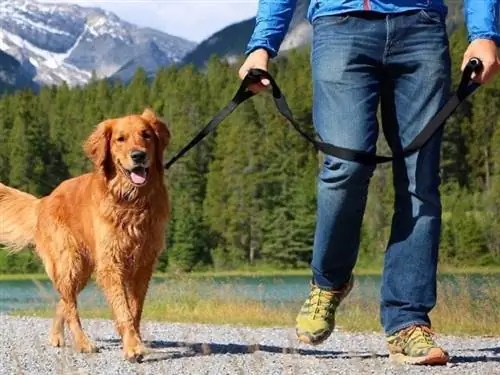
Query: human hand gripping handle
[[258, 59], [470, 70], [487, 52]]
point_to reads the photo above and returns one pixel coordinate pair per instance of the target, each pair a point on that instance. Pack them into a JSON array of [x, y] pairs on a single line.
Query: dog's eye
[[121, 138], [146, 135]]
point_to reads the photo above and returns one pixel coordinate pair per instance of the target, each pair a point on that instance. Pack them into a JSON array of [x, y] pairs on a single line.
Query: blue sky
[[191, 19]]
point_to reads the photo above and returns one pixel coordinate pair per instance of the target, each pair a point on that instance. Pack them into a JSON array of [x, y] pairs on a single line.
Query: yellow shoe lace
[[321, 303], [420, 335]]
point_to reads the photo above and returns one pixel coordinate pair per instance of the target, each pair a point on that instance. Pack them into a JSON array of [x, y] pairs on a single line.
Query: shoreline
[[444, 270]]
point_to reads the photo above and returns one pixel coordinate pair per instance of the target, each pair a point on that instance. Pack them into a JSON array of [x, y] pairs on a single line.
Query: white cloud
[[191, 19]]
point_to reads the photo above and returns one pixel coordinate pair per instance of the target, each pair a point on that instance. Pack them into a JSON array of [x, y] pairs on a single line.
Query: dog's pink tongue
[[138, 177]]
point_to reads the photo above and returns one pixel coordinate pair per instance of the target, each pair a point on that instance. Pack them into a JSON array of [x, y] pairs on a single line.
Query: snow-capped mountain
[[66, 42]]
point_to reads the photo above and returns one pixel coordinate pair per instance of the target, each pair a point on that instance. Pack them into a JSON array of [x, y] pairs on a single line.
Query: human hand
[[257, 59], [486, 51]]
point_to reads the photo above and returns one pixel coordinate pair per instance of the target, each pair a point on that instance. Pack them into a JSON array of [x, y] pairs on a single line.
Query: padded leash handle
[[474, 65]]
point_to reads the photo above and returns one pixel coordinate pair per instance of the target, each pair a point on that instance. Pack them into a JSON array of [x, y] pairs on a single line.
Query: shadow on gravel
[[474, 358], [478, 358], [186, 349], [495, 350]]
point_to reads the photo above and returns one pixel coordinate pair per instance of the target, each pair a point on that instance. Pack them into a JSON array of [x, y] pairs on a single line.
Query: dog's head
[[129, 148]]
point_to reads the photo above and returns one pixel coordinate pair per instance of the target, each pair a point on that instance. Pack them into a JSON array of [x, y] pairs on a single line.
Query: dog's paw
[[56, 340], [86, 346], [135, 354]]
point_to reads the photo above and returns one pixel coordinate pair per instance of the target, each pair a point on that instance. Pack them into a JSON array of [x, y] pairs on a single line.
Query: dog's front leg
[[137, 290], [110, 277]]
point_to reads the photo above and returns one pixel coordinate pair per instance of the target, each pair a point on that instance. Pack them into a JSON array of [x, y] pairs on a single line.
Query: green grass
[[268, 272], [23, 276], [182, 301]]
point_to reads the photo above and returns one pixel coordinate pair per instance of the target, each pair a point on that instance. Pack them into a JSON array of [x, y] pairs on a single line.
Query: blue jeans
[[402, 61]]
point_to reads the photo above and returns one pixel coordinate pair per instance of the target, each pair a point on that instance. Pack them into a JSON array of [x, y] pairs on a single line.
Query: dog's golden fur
[[100, 222]]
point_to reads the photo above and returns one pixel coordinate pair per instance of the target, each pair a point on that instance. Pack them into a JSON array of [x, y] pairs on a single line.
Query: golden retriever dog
[[110, 222]]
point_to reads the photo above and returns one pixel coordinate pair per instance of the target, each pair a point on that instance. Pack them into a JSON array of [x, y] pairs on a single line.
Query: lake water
[[285, 289]]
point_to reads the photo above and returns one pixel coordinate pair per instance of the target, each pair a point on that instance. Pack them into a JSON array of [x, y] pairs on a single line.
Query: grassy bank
[[269, 272], [459, 310]]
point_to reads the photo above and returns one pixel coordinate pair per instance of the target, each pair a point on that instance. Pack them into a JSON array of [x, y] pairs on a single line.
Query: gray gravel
[[209, 349]]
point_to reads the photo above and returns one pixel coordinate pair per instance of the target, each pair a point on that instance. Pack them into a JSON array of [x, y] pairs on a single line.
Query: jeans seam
[[387, 42]]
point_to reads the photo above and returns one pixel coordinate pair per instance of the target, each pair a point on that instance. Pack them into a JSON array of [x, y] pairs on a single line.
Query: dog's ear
[[159, 127], [96, 146]]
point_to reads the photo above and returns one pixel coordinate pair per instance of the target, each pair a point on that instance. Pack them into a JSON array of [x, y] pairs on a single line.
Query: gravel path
[[207, 349]]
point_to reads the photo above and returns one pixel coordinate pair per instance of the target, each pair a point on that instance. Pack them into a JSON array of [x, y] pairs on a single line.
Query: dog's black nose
[[138, 156]]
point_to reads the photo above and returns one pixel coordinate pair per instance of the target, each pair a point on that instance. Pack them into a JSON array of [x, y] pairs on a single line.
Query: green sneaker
[[415, 345], [316, 318]]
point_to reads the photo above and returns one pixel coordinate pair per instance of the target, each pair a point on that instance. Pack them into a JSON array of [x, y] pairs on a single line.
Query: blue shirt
[[274, 16]]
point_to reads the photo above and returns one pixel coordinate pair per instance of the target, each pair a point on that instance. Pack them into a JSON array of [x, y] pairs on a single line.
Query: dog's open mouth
[[138, 175]]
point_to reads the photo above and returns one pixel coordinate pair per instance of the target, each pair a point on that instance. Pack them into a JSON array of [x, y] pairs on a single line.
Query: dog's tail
[[18, 218]]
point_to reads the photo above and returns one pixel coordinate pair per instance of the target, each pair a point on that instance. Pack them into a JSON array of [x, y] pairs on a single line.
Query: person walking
[[364, 52]]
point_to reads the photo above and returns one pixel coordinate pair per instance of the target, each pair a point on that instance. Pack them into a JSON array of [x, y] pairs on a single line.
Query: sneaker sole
[[434, 358], [312, 340]]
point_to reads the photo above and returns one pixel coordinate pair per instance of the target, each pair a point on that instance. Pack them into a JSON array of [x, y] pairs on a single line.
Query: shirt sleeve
[[271, 25], [482, 19]]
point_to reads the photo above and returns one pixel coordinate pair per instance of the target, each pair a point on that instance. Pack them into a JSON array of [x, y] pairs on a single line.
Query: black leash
[[465, 88]]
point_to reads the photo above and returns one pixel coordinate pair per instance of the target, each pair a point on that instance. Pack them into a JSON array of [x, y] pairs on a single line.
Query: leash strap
[[242, 95], [465, 88]]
